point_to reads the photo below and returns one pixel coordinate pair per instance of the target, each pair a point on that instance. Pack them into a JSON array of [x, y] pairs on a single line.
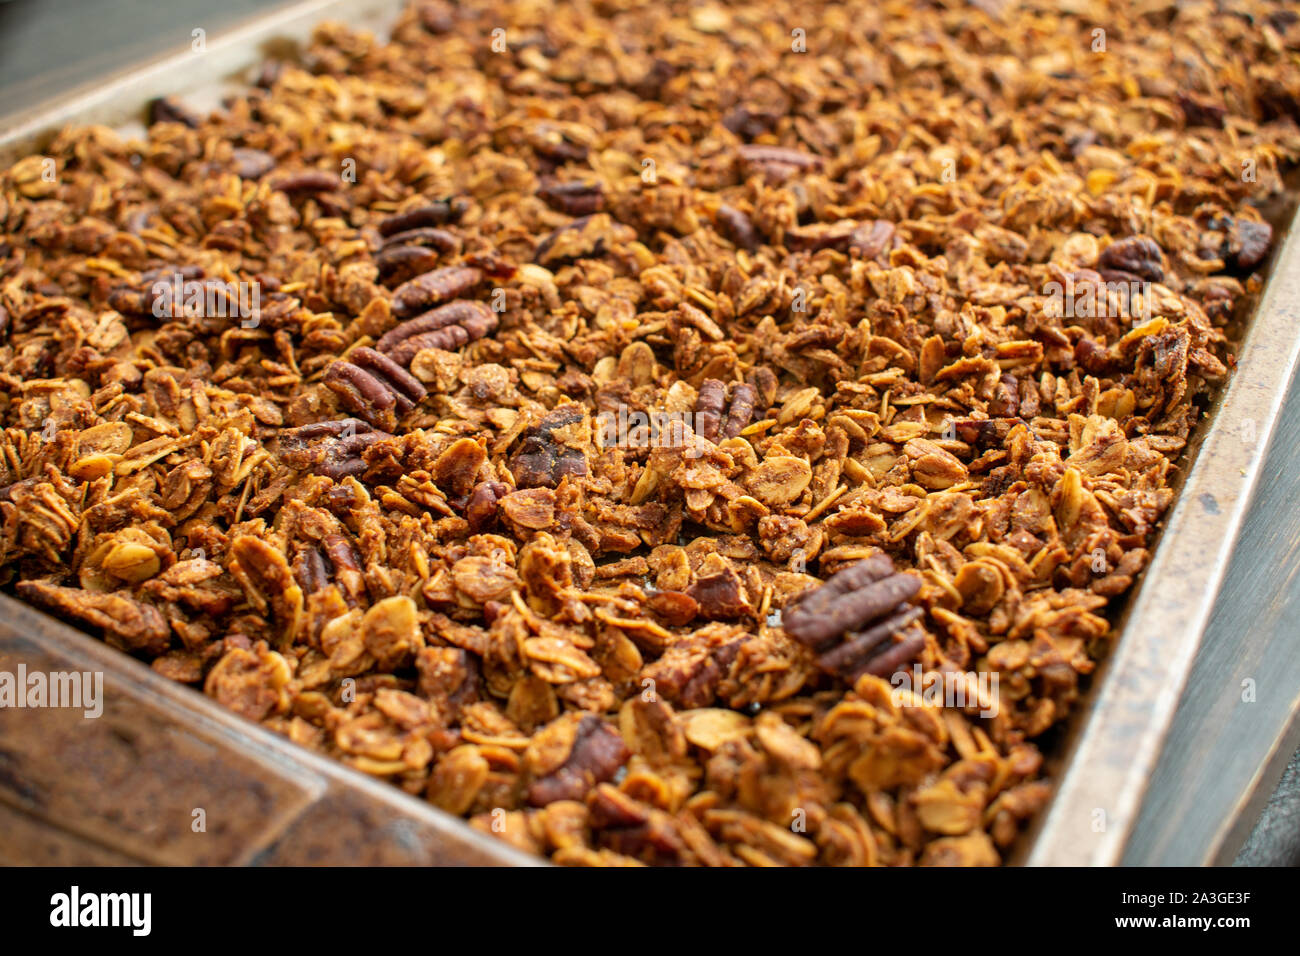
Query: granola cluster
[[318, 403]]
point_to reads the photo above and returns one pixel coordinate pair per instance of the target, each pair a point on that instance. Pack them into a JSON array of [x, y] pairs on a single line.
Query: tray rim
[[1112, 750], [20, 622], [123, 94], [1104, 768]]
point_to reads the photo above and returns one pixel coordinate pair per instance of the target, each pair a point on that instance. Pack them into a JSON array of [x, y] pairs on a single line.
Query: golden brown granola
[[469, 407]]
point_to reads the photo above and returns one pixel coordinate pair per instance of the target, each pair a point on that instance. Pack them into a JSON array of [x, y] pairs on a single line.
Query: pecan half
[[712, 405], [481, 508], [596, 753], [575, 199], [307, 181], [375, 387], [400, 263], [437, 16], [777, 163], [1242, 242], [750, 123], [447, 327], [867, 593], [1138, 255], [870, 239], [821, 235], [437, 213], [251, 163], [434, 288], [335, 561], [1249, 242], [444, 240], [311, 570], [1199, 111], [332, 449], [140, 627], [737, 227], [541, 459]]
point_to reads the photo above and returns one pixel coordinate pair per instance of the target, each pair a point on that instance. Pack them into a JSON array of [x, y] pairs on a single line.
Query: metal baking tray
[[126, 788]]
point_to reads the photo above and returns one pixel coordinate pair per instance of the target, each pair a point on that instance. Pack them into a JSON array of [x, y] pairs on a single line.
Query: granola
[[593, 419]]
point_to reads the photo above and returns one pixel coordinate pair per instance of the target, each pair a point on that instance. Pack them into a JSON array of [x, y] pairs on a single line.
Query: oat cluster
[[307, 402]]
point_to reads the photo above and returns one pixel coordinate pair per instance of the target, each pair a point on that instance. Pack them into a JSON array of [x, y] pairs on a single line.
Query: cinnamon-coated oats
[[586, 425]]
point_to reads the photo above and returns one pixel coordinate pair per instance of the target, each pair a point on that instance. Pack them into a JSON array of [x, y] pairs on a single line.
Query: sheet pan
[[1100, 772]]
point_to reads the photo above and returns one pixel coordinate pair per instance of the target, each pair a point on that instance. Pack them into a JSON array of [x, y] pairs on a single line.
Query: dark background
[[50, 47]]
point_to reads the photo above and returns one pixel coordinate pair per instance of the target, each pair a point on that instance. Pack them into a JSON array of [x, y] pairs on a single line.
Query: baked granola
[[612, 421]]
